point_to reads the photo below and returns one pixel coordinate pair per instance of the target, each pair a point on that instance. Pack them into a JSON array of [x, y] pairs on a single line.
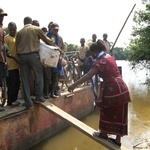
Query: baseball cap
[[55, 26], [2, 12]]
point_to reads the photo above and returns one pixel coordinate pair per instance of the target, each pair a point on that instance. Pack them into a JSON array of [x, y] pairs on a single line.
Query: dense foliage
[[71, 47], [119, 53], [139, 47]]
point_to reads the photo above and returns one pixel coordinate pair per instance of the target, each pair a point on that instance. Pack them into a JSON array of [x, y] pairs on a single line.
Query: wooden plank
[[78, 125]]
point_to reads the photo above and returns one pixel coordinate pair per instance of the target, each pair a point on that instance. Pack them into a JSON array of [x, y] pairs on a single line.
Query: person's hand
[[57, 48], [5, 66], [78, 54], [18, 61], [71, 88]]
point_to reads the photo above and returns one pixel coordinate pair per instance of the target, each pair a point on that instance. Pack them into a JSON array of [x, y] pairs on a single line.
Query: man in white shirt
[[107, 44]]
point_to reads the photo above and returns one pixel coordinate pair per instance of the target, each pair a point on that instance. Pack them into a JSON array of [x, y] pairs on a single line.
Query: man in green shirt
[[28, 46]]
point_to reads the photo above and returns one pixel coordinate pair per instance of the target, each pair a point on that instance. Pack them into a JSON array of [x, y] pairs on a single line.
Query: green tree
[[71, 47], [139, 47], [119, 53]]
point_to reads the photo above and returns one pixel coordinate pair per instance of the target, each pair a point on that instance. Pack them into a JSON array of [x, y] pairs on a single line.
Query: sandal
[[38, 101], [113, 141], [16, 103], [100, 135]]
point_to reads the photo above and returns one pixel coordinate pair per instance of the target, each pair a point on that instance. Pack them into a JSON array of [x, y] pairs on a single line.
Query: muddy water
[[139, 119]]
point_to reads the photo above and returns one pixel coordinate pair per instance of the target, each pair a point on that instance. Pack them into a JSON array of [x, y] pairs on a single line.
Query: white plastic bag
[[48, 55]]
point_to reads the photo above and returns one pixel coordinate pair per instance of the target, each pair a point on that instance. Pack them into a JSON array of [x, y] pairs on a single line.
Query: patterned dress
[[113, 99]]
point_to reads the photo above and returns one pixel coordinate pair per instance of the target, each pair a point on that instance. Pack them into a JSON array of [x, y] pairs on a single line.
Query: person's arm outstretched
[[83, 79]]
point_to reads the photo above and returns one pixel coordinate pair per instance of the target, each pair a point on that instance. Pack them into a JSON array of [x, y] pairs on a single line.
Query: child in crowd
[[87, 62], [13, 77]]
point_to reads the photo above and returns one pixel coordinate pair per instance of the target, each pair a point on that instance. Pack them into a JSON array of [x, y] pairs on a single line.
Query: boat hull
[[25, 129]]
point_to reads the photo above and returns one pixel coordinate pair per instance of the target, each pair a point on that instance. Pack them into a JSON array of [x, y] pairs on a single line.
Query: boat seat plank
[[87, 130]]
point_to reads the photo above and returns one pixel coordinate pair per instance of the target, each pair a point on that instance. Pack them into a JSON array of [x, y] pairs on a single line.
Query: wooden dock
[[78, 125]]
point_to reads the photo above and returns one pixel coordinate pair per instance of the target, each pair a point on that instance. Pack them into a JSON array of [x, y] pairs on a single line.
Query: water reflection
[[139, 118], [139, 109]]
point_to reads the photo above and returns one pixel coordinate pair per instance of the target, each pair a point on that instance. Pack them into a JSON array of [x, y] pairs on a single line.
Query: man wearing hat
[[2, 14], [55, 72], [2, 59]]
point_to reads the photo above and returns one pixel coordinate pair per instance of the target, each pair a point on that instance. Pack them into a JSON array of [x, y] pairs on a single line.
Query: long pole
[[122, 27]]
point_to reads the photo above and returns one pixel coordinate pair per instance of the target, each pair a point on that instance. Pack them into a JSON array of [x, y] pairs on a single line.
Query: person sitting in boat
[[114, 95]]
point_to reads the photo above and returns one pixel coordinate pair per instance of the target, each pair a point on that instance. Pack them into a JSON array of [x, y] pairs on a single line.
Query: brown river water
[[139, 119]]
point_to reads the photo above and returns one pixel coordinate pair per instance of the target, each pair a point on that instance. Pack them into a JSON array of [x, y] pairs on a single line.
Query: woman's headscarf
[[101, 43], [98, 46]]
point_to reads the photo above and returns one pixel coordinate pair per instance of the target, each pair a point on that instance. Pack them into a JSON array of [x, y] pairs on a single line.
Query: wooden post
[[122, 28]]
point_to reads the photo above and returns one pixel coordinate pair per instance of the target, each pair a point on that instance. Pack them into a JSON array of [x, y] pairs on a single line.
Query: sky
[[77, 18]]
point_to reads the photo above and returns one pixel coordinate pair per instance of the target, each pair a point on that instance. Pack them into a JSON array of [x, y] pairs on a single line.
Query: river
[[139, 118]]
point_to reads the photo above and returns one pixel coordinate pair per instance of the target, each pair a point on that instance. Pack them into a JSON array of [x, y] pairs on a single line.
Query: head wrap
[[102, 44]]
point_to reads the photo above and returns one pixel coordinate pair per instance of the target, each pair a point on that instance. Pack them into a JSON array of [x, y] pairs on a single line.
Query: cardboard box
[[49, 56]]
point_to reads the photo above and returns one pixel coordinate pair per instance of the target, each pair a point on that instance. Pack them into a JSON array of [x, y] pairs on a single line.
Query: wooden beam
[[78, 125]]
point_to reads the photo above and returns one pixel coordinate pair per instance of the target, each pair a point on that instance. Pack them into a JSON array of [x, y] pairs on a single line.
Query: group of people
[[114, 94], [85, 60], [20, 57], [83, 49]]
